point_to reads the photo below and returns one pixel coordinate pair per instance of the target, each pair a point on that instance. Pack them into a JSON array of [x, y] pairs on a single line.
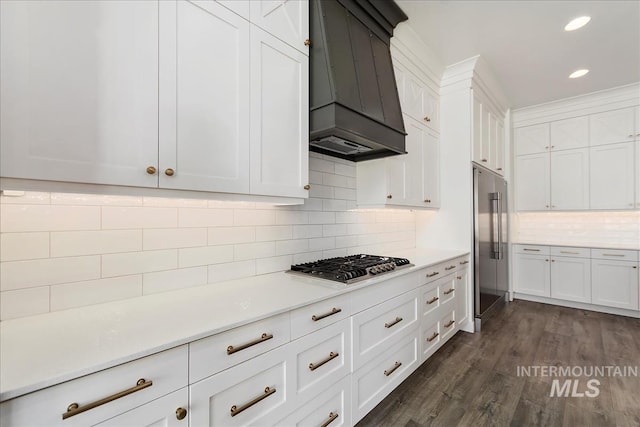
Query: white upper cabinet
[[241, 7], [532, 182], [279, 117], [287, 20], [79, 83], [570, 133], [570, 179], [430, 170], [499, 147], [204, 138], [417, 99], [612, 176], [611, 127], [532, 139], [487, 134]]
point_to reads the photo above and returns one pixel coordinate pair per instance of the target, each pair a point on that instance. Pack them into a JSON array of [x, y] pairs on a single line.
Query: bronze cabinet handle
[[435, 273], [433, 337], [390, 196], [459, 277], [451, 267], [181, 413], [307, 42], [75, 409], [332, 355], [333, 311], [235, 410], [391, 371], [449, 323], [231, 349], [151, 170], [464, 262], [395, 322], [307, 187], [432, 300], [449, 291], [332, 416], [532, 250], [169, 172]]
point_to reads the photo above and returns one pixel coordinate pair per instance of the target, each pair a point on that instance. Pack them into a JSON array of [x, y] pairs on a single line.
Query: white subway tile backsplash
[[91, 292], [171, 280], [195, 217], [192, 257], [169, 238], [22, 218], [231, 270], [24, 302], [128, 263], [49, 271], [24, 246], [73, 243], [115, 218], [67, 250], [231, 235], [273, 264]]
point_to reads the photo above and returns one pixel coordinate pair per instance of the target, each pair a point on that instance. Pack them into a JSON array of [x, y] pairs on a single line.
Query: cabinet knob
[[169, 172], [427, 200], [553, 260], [553, 146], [546, 147], [546, 260], [389, 196], [427, 119], [307, 42], [151, 170], [499, 169], [546, 206], [181, 413], [484, 160], [307, 187], [631, 136]]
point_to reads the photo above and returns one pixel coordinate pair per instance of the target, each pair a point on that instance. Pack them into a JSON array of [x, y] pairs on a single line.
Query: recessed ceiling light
[[578, 73], [577, 23]]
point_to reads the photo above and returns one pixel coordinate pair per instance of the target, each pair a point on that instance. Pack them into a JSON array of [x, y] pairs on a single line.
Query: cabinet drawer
[[434, 272], [447, 289], [531, 249], [365, 298], [165, 372], [463, 262], [375, 329], [430, 300], [371, 383], [448, 324], [322, 358], [569, 251], [614, 254], [307, 319], [430, 339], [160, 412], [331, 408], [218, 352], [254, 392]]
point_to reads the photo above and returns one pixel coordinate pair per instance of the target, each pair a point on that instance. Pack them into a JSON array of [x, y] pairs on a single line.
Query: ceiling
[[525, 44]]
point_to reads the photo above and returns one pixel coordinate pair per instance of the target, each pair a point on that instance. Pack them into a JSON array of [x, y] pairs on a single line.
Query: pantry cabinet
[[142, 100], [569, 133], [532, 139], [487, 133], [570, 179], [533, 182], [611, 127], [612, 176]]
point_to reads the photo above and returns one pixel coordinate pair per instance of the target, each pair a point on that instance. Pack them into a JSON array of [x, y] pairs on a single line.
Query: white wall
[[60, 251]]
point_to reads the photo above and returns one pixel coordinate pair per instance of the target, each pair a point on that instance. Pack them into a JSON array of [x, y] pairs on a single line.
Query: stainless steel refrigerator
[[490, 221]]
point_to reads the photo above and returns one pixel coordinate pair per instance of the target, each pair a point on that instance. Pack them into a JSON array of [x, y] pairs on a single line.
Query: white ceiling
[[525, 44]]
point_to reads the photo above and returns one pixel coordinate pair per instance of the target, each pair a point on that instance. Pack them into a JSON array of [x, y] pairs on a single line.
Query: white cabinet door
[[531, 275], [570, 179], [488, 121], [288, 20], [396, 175], [532, 139], [432, 110], [430, 170], [571, 279], [462, 295], [279, 117], [612, 176], [570, 133], [499, 148], [637, 150], [614, 283], [169, 411], [79, 83], [532, 182], [414, 145], [611, 127], [204, 107], [414, 96], [477, 130], [241, 7]]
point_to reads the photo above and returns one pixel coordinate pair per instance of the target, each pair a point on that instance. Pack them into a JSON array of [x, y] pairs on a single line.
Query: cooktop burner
[[350, 269]]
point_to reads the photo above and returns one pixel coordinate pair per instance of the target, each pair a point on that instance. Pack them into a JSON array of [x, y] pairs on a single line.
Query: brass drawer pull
[[620, 255], [75, 409], [235, 410], [433, 337], [451, 267], [449, 323], [435, 273], [448, 292], [459, 277], [391, 371], [464, 262], [395, 322], [531, 250], [333, 311], [569, 252], [332, 416], [314, 366], [432, 300], [231, 349]]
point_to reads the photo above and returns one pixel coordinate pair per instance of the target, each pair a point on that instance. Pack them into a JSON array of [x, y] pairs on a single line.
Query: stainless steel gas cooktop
[[350, 269]]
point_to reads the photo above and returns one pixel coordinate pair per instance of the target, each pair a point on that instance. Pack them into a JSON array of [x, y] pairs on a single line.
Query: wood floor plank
[[529, 413], [575, 416]]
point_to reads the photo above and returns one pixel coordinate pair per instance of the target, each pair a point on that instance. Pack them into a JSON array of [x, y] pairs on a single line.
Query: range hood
[[354, 107]]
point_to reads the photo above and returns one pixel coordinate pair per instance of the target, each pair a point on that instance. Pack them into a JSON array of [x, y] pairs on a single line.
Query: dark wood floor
[[473, 379]]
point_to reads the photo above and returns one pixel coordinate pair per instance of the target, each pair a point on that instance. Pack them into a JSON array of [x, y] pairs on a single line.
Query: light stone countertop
[[44, 350]]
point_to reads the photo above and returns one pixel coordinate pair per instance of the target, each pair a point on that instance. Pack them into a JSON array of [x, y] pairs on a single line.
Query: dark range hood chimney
[[354, 107]]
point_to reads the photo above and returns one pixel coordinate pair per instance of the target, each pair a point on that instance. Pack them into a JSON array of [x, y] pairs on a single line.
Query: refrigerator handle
[[495, 225], [499, 219]]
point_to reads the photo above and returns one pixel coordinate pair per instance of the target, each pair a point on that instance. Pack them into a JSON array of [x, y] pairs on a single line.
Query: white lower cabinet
[[331, 408], [373, 381], [571, 279], [531, 274], [462, 297], [254, 392], [614, 283], [169, 411]]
